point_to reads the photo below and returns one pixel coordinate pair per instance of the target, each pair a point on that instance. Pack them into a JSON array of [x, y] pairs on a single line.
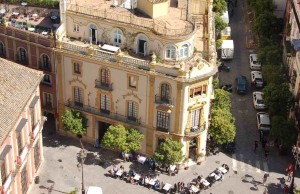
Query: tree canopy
[[219, 6], [222, 128], [264, 22], [222, 99], [169, 152], [278, 99], [273, 74], [75, 122], [119, 138], [219, 23], [270, 54]]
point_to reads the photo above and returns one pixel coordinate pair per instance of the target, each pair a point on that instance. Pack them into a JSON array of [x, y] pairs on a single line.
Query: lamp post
[[82, 157]]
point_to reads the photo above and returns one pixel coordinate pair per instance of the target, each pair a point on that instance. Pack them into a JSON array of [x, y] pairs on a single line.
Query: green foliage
[[222, 100], [216, 83], [222, 128], [118, 138], [219, 43], [219, 6], [261, 6], [75, 191], [284, 131], [270, 54], [278, 99], [169, 152], [115, 138], [219, 24], [273, 74], [264, 23], [133, 140], [75, 122]]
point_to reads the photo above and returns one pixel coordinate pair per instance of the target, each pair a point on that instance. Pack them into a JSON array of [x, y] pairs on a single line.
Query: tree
[[264, 23], [115, 138], [219, 6], [75, 122], [273, 74], [222, 128], [169, 152], [133, 140], [118, 138], [222, 99], [278, 99], [261, 6], [219, 24], [270, 54], [284, 131]]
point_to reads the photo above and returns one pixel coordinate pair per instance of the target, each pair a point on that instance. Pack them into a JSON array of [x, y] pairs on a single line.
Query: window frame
[[196, 118], [4, 167], [76, 68], [184, 51], [170, 51], [47, 81], [2, 49], [22, 56], [203, 91], [132, 110], [75, 27], [105, 103], [130, 79], [163, 121], [46, 61], [117, 36], [78, 95], [104, 76]]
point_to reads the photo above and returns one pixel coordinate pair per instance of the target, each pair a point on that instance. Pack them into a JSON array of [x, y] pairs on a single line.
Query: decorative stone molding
[[78, 80], [132, 94]]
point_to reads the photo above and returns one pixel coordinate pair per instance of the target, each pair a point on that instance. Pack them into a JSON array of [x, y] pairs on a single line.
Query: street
[[61, 171]]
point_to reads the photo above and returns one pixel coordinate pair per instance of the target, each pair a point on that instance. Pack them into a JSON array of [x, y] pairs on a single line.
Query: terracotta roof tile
[[17, 84]]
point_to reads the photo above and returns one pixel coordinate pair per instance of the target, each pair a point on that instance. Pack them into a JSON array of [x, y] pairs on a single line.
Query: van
[[263, 122]]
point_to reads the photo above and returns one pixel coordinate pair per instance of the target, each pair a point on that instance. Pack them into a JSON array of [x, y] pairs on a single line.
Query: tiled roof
[[17, 84]]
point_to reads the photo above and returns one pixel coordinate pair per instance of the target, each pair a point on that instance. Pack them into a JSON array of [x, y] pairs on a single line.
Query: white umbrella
[[24, 3]]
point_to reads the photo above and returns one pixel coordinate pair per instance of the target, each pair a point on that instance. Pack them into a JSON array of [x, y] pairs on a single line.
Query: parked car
[[257, 79], [255, 64], [224, 67], [263, 122], [258, 100], [241, 84]]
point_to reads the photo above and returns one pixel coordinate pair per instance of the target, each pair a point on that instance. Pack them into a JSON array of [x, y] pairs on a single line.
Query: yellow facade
[[162, 87]]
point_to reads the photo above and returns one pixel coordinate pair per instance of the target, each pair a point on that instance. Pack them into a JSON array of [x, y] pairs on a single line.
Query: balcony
[[163, 101], [103, 86], [37, 128], [195, 130], [46, 82], [103, 113], [21, 158], [47, 106], [162, 129]]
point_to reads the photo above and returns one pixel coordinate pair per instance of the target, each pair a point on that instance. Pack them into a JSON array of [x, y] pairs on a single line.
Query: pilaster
[[178, 111], [150, 130]]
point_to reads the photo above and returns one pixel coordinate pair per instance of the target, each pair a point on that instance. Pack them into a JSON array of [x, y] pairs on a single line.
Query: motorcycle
[[224, 67], [226, 87]]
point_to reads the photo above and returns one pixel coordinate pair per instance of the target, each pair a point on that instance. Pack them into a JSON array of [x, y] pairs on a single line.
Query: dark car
[[241, 84]]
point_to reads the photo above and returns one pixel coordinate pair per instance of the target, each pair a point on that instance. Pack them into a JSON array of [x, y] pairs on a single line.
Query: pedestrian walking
[[266, 175], [255, 145], [289, 168], [290, 175], [282, 183]]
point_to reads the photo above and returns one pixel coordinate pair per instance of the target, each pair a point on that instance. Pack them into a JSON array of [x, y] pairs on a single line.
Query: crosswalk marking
[[239, 163], [234, 162], [265, 166], [258, 167]]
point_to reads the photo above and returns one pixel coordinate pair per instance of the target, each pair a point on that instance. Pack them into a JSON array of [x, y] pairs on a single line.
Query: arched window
[[22, 55], [184, 51], [171, 52], [45, 61], [165, 92], [104, 77], [118, 36], [2, 49]]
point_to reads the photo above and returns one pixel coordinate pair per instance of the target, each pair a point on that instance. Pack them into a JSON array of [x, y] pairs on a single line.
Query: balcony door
[[104, 103], [165, 92], [142, 45], [93, 34]]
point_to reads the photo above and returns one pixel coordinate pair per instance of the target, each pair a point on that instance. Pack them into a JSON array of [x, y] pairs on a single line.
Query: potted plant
[[186, 163]]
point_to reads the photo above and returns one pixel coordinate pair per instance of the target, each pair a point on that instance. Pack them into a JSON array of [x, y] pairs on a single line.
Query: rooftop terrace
[[175, 23]]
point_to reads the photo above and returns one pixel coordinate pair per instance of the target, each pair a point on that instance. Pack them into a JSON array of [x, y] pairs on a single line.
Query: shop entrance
[[102, 128], [193, 149]]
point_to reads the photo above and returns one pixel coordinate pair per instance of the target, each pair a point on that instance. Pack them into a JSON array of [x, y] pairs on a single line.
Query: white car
[[255, 64], [257, 79], [263, 122], [258, 100]]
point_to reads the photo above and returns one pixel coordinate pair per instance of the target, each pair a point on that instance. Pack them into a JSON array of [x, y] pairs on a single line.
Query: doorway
[[102, 128], [193, 149], [142, 46], [93, 33]]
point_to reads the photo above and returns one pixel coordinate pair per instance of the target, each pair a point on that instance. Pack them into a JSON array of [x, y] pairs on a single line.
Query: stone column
[[150, 130]]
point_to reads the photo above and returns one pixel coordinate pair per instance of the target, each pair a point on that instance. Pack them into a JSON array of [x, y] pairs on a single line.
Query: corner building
[[146, 64]]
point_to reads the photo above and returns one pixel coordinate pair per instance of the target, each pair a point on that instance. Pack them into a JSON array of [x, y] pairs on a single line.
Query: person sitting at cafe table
[[115, 170], [225, 166], [147, 180]]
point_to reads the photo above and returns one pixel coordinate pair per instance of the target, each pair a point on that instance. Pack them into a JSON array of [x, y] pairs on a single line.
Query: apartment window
[[195, 119], [2, 49], [19, 142], [132, 82], [37, 155], [104, 76], [171, 52], [165, 92], [24, 179], [105, 103], [184, 51], [22, 55], [197, 91], [45, 61], [47, 99], [76, 27], [78, 96], [132, 110], [118, 36], [3, 171], [76, 67], [47, 79], [163, 121]]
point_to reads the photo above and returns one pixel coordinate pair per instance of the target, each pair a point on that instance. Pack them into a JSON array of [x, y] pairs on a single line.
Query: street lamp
[[296, 152], [82, 157]]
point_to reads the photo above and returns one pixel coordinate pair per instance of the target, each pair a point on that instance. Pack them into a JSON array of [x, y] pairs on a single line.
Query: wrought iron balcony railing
[[163, 100], [195, 130], [103, 86]]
